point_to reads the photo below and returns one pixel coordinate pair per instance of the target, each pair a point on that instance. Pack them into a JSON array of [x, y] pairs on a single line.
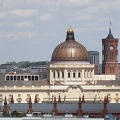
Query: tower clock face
[[111, 47]]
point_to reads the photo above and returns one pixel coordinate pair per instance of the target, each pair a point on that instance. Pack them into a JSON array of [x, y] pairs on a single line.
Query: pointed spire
[[80, 100], [59, 99], [83, 99], [30, 104], [35, 101], [30, 101], [12, 100], [5, 104], [110, 36], [107, 99], [80, 103], [5, 100], [54, 99]]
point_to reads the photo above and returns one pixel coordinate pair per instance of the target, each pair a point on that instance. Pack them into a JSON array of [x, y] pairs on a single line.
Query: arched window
[[62, 74], [68, 74], [73, 74], [53, 74], [79, 75], [58, 74]]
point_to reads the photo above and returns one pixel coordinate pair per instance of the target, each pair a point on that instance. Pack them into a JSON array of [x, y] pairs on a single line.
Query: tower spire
[[110, 36], [110, 28]]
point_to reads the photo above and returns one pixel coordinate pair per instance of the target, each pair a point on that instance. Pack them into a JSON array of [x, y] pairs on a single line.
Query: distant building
[[99, 69], [21, 77], [93, 57], [40, 69], [7, 67]]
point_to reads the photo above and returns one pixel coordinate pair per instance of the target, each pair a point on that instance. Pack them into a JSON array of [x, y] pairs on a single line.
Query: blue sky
[[31, 29]]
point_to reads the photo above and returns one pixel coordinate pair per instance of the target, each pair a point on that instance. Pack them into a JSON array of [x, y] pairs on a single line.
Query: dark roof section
[[65, 107]]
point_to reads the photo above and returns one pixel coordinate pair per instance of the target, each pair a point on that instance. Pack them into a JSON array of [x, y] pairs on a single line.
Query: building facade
[[110, 55], [69, 76]]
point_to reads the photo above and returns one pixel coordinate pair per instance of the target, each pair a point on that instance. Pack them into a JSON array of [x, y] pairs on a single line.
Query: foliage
[[6, 113], [26, 64], [17, 114]]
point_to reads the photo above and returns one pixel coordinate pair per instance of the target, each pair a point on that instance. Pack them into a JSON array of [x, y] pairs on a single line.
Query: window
[[10, 95], [28, 95], [18, 77], [53, 74], [36, 77], [29, 77], [37, 95], [22, 78], [62, 74], [19, 95], [73, 74], [11, 77], [0, 95], [79, 75], [32, 77], [68, 74], [117, 101], [7, 77], [19, 101], [58, 75], [15, 77]]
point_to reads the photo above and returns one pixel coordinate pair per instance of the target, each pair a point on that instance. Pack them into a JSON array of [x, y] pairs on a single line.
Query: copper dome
[[70, 50]]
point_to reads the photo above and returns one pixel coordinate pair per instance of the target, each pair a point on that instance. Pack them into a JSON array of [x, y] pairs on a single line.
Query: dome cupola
[[70, 50]]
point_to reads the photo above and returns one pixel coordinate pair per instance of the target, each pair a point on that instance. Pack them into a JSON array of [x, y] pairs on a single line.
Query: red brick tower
[[110, 55]]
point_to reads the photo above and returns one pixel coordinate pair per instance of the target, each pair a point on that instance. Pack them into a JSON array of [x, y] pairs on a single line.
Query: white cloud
[[28, 34], [7, 35], [46, 17], [24, 12], [23, 24], [3, 14], [76, 2]]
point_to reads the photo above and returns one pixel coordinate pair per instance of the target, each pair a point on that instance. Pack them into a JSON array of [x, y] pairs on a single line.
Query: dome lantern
[[70, 34]]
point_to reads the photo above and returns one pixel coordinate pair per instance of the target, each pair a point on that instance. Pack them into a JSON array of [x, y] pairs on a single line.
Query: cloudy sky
[[31, 29]]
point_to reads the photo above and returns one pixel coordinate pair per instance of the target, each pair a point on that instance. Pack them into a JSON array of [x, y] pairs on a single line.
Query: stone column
[[51, 77], [82, 75], [65, 76], [71, 74], [76, 74]]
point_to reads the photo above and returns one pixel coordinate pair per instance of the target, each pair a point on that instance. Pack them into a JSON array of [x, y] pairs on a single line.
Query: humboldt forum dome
[[70, 50]]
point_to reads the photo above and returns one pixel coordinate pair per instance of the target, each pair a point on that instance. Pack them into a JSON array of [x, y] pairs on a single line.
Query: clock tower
[[110, 55]]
